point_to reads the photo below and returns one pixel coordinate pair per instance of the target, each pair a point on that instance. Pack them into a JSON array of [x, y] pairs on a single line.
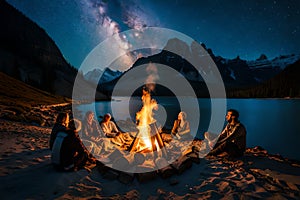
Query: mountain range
[[237, 74], [28, 54]]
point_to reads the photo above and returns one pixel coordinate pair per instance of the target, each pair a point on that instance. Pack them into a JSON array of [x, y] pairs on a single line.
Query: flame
[[145, 117]]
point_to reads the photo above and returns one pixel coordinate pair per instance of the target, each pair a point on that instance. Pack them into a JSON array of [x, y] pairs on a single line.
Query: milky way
[[230, 28]]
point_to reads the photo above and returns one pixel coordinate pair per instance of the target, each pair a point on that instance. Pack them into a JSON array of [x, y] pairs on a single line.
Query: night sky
[[246, 28]]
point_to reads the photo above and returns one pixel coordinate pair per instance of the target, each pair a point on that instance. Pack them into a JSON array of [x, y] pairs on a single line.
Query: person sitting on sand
[[93, 136], [61, 124], [90, 128], [232, 140], [68, 152], [181, 127], [111, 131]]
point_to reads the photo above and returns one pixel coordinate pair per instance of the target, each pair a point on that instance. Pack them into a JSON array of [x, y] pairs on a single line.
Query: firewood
[[115, 155], [164, 169], [111, 174], [139, 158], [194, 157], [145, 174], [125, 162], [182, 163], [102, 168], [161, 162], [187, 151]]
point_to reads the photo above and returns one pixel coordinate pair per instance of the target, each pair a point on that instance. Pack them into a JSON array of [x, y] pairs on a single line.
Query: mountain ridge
[[28, 53], [237, 74]]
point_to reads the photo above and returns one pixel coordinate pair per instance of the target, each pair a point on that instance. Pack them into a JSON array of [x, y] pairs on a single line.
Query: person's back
[[61, 124], [68, 152], [56, 154]]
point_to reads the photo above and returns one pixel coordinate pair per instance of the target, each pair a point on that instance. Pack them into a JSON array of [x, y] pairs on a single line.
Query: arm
[[185, 129], [84, 131], [114, 128], [175, 127], [235, 132], [97, 131], [107, 131]]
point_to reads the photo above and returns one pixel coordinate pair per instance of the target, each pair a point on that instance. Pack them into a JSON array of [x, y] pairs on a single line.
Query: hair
[[184, 115], [87, 114], [107, 115], [75, 125], [62, 118], [234, 113]]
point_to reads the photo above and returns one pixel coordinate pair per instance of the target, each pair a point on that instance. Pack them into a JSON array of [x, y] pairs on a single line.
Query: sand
[[26, 173]]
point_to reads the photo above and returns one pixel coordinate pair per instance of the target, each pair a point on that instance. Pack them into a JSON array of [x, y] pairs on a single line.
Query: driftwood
[[146, 174], [164, 169], [102, 168], [111, 174], [194, 157], [125, 162], [181, 164], [115, 155]]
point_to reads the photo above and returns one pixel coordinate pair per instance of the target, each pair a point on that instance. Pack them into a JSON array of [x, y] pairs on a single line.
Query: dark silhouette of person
[[232, 140], [68, 152], [61, 124]]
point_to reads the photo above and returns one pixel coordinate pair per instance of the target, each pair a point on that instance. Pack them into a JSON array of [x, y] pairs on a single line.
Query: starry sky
[[230, 28]]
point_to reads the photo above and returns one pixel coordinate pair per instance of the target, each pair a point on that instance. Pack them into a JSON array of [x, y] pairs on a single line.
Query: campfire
[[149, 156], [148, 138]]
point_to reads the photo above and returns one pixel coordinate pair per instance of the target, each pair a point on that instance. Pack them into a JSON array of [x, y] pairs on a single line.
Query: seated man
[[111, 131], [232, 140]]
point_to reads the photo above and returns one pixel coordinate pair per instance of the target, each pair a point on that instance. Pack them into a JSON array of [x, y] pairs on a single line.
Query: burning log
[[157, 144]]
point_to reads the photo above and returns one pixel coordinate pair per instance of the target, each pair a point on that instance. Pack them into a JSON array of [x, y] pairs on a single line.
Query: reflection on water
[[272, 123]]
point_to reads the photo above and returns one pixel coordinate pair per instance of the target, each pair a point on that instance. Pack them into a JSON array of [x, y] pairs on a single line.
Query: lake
[[271, 123]]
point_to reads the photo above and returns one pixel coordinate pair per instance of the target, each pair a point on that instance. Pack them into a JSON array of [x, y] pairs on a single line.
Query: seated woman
[[93, 136], [90, 128], [111, 131], [68, 152], [181, 127]]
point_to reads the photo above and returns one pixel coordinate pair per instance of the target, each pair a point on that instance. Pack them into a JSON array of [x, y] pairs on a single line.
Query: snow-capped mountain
[[236, 73], [98, 76], [281, 62]]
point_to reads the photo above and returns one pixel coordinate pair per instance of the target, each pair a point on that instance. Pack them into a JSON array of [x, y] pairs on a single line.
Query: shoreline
[[26, 169]]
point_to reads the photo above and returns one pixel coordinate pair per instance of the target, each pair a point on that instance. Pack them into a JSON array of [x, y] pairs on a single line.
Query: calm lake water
[[271, 123]]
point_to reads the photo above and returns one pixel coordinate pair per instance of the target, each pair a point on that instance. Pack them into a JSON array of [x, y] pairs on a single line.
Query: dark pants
[[228, 147]]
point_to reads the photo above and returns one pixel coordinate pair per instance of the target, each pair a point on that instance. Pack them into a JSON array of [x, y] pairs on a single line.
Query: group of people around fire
[[74, 143]]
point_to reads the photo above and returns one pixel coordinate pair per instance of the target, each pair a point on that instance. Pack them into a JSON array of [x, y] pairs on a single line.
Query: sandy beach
[[26, 173]]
